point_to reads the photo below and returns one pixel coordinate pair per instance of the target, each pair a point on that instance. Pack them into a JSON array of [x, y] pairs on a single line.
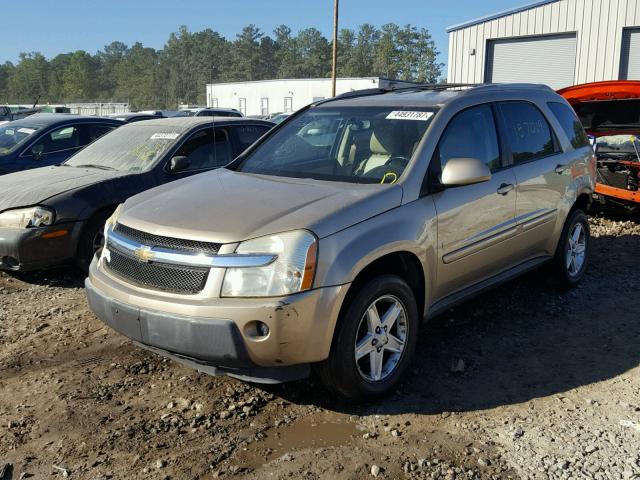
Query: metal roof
[[46, 119], [188, 122], [504, 13]]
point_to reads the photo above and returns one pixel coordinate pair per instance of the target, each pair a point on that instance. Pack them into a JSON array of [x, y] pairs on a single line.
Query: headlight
[[111, 222], [113, 219], [27, 217], [291, 272]]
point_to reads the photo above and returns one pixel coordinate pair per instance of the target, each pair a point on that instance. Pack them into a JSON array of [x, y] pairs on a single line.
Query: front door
[[205, 149], [52, 147], [476, 223]]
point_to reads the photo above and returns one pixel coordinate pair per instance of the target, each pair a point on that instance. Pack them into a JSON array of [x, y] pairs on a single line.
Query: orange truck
[[610, 113]]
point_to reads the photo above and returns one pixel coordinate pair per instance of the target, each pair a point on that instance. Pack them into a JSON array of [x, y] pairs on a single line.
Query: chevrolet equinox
[[328, 241]]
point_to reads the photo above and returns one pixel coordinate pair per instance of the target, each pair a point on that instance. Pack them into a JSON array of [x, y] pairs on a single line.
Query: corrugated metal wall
[[598, 23]]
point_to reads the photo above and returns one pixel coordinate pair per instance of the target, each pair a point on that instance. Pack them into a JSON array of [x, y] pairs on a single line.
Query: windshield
[[131, 148], [356, 144], [622, 144], [13, 135]]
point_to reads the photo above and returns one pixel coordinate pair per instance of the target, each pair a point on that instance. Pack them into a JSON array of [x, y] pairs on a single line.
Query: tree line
[[177, 73]]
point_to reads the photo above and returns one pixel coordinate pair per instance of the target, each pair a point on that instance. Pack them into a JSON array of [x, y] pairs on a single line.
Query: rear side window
[[247, 134], [570, 124], [528, 132], [94, 131], [471, 134]]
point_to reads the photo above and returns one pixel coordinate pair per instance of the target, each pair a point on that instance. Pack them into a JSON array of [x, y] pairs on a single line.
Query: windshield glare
[[12, 136], [130, 148], [356, 144]]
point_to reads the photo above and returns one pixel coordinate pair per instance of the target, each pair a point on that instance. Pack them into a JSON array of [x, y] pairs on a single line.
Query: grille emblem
[[144, 254]]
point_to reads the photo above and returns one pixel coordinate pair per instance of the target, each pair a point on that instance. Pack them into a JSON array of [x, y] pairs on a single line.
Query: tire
[[358, 380], [91, 234], [571, 257]]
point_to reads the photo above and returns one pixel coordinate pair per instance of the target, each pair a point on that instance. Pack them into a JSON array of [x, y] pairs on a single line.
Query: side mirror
[[464, 171], [179, 163]]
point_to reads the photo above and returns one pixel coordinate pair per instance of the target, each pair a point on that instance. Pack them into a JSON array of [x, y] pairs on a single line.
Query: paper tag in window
[[165, 136], [26, 130], [409, 115]]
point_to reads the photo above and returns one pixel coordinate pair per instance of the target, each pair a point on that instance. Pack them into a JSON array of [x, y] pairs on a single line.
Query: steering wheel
[[395, 165]]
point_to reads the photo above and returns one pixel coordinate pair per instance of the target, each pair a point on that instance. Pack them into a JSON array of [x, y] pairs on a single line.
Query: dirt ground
[[525, 382]]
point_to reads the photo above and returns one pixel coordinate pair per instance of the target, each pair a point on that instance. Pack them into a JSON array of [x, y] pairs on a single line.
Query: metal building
[[557, 42], [265, 97]]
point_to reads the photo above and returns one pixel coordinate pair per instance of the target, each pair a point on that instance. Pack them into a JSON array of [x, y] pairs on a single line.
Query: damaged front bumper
[[24, 249], [215, 335]]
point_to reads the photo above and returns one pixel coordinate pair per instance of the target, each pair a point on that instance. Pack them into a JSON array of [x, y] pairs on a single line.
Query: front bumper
[[210, 334], [26, 249]]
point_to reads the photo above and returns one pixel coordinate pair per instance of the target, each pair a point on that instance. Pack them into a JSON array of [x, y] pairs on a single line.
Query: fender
[[344, 255]]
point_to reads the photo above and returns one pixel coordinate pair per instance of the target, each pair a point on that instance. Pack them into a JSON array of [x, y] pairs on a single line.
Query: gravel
[[524, 382]]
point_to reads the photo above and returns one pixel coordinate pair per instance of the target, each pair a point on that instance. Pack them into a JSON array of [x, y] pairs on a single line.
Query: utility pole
[[334, 70]]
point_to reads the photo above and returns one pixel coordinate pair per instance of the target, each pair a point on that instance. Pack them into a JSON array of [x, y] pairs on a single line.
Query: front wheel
[[374, 341], [91, 241], [572, 254]]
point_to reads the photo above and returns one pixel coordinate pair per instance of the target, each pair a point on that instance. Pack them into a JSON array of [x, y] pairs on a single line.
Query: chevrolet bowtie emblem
[[144, 254]]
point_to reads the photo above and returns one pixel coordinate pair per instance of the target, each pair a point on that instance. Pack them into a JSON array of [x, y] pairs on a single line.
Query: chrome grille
[[167, 242], [160, 276]]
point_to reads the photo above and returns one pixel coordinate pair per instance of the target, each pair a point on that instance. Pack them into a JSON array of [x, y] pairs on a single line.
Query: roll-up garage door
[[630, 61], [549, 59]]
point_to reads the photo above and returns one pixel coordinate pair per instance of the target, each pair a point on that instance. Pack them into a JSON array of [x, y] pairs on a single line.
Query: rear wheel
[[572, 255], [91, 240], [374, 340]]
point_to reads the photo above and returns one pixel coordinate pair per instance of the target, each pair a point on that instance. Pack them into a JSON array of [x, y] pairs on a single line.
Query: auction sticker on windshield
[[165, 136], [409, 115]]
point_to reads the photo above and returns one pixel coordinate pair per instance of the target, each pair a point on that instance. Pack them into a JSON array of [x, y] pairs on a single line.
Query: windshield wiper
[[91, 165]]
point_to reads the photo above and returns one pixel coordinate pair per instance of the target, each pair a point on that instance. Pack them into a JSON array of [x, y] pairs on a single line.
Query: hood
[[606, 108], [224, 206], [32, 187]]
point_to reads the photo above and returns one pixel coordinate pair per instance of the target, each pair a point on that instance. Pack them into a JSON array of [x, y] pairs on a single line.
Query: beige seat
[[388, 139]]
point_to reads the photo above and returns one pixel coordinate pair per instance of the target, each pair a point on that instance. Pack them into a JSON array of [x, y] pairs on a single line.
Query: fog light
[[256, 330]]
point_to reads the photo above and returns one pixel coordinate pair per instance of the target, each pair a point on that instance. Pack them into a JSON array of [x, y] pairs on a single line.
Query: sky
[[65, 25]]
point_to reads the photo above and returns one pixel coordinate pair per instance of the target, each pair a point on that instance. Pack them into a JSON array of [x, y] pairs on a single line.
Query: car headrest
[[388, 138]]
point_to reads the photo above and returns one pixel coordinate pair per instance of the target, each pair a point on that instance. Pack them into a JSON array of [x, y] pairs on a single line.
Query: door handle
[[561, 167], [505, 188]]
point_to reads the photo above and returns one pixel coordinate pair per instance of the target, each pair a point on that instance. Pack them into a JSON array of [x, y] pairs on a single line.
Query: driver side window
[[63, 138], [204, 150], [471, 134]]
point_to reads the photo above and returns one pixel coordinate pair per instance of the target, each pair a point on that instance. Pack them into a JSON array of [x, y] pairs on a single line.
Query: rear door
[[475, 222], [542, 172]]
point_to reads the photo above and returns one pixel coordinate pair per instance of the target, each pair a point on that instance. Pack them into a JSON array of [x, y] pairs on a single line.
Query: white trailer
[[265, 97]]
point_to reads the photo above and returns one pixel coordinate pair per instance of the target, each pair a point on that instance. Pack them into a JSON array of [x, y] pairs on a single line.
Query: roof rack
[[442, 86], [436, 87]]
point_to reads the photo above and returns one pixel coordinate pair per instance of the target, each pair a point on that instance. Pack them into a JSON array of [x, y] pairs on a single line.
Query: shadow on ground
[[61, 277], [522, 341]]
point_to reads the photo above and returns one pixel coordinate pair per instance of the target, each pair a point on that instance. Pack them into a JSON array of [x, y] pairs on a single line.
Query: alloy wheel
[[576, 249], [381, 338]]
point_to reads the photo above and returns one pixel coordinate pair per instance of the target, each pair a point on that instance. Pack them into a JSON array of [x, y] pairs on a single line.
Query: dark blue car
[[48, 139]]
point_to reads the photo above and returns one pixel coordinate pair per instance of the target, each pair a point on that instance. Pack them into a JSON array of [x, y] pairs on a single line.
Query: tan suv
[[331, 239]]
